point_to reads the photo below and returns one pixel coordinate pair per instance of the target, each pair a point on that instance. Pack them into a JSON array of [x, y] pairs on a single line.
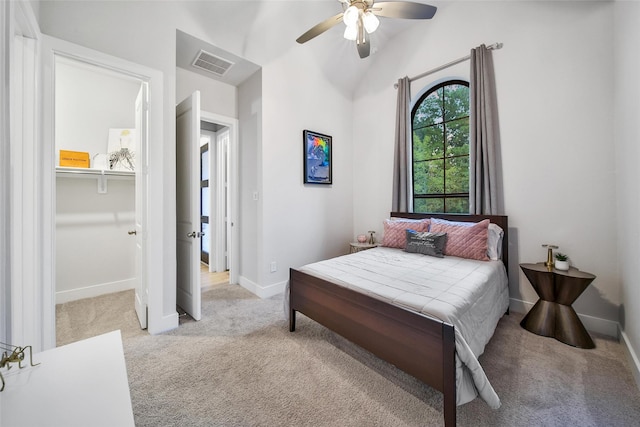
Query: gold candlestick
[[550, 249]]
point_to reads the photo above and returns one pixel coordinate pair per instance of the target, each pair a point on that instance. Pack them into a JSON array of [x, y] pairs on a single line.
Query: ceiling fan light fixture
[[361, 19], [351, 32], [351, 16], [370, 22]]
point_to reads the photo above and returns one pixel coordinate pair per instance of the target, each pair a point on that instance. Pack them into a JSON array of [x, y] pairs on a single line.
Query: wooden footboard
[[421, 346]]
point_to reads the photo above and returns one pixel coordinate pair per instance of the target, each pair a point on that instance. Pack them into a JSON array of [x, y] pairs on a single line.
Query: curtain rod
[[449, 64]]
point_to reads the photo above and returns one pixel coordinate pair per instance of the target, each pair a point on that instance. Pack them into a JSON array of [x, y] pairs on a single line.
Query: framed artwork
[[317, 158]]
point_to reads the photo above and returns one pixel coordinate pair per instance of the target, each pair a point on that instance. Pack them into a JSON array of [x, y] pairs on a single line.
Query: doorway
[[205, 193], [148, 118], [98, 121], [214, 205], [228, 250], [210, 193], [214, 196]]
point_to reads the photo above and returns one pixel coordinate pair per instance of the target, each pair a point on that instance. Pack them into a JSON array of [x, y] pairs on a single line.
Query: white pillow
[[494, 242]]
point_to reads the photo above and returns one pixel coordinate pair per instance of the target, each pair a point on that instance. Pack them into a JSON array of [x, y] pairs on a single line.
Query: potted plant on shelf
[[562, 261]]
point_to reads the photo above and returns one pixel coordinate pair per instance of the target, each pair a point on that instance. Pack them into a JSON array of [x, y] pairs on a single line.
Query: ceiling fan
[[360, 18]]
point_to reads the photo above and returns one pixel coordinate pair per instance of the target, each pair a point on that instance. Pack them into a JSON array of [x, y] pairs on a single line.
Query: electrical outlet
[[273, 267]]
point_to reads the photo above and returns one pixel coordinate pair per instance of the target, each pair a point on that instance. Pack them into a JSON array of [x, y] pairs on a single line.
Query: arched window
[[440, 149]]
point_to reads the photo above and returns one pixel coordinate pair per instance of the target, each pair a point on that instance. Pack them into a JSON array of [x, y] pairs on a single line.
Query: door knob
[[192, 234], [132, 232]]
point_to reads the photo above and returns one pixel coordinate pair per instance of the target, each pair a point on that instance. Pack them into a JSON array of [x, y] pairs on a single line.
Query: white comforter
[[471, 295]]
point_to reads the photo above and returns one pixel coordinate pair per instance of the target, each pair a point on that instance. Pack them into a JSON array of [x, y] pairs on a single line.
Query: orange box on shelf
[[76, 159]]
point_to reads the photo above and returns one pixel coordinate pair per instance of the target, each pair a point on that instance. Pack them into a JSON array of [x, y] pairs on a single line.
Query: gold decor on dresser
[[13, 354]]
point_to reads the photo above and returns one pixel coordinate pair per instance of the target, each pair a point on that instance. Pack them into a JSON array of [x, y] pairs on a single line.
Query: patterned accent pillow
[[464, 241], [494, 237], [394, 231], [426, 243]]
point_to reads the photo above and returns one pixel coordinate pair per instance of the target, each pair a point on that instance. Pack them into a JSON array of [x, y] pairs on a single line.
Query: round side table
[[552, 315]]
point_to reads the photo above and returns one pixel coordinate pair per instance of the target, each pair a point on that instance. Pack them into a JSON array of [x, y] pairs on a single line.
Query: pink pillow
[[395, 231], [464, 241]]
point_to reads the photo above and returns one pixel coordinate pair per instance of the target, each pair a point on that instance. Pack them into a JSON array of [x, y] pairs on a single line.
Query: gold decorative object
[[13, 354], [550, 249]]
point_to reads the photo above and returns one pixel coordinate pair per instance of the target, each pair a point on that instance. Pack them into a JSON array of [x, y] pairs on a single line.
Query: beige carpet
[[240, 366], [89, 317]]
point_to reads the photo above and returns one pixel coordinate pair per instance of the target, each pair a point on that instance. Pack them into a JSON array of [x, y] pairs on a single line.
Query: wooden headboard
[[500, 220]]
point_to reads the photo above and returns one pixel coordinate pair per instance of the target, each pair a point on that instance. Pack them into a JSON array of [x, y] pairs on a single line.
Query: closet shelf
[[91, 173], [100, 175]]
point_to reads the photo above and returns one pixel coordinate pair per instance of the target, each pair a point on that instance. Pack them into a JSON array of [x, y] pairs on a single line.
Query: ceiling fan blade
[[362, 42], [320, 28], [403, 9]]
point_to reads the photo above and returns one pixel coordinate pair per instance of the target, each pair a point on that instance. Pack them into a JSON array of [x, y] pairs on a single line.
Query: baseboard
[[631, 356], [262, 291], [95, 290], [606, 327]]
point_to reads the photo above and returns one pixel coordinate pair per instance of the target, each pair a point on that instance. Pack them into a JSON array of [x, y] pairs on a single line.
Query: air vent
[[211, 63]]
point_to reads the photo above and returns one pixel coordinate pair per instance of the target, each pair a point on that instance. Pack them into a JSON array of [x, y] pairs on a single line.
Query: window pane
[[458, 137], [456, 101], [420, 173], [430, 110], [204, 166], [428, 177], [420, 205], [458, 205], [435, 205], [428, 205], [204, 201], [428, 143], [457, 175]]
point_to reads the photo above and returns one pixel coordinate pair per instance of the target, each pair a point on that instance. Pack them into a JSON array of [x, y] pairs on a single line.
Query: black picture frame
[[317, 158]]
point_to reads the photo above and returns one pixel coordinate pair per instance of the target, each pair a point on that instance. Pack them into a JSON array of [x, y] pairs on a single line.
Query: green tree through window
[[440, 149]]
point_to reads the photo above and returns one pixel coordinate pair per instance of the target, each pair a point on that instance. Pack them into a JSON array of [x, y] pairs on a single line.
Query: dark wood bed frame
[[421, 346]]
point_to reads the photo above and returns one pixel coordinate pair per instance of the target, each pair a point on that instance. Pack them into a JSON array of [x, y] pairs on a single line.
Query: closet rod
[[449, 64]]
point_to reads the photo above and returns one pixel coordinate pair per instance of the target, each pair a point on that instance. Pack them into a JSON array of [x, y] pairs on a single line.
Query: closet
[[95, 151]]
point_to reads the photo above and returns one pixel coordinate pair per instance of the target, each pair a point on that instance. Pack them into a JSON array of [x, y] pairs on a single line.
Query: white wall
[[250, 144], [215, 96], [94, 253], [89, 102], [627, 135], [302, 223], [554, 83]]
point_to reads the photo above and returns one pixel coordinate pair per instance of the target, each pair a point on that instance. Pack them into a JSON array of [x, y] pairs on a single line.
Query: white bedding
[[471, 295]]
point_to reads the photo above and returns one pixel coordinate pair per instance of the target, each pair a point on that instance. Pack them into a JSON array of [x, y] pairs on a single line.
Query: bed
[[420, 343]]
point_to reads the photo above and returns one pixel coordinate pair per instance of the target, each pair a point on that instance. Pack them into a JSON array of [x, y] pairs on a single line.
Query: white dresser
[[80, 384]]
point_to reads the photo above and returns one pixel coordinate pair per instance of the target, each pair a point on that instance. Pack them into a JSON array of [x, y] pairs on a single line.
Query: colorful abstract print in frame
[[317, 161]]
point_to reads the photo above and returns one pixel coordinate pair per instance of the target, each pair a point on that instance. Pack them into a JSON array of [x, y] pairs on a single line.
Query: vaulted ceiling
[[252, 33]]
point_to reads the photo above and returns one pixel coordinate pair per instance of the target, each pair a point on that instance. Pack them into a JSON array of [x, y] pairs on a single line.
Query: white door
[[188, 204], [142, 293]]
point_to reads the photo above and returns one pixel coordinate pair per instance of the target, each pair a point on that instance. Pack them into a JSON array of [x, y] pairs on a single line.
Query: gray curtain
[[484, 145], [402, 191]]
